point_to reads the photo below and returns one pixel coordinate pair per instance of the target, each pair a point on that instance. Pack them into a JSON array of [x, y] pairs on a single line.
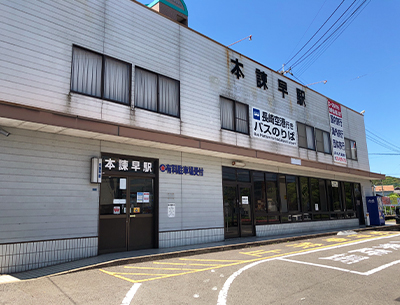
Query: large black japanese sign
[[124, 164], [272, 127]]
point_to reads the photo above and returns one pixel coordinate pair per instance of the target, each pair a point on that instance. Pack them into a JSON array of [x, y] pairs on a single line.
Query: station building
[[122, 128]]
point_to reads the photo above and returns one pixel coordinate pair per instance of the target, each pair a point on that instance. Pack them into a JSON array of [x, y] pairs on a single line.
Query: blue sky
[[361, 66]]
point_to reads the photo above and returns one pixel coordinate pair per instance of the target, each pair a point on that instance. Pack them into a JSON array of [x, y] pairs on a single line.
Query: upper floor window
[[351, 149], [100, 76], [323, 140], [306, 136], [156, 92], [234, 116]]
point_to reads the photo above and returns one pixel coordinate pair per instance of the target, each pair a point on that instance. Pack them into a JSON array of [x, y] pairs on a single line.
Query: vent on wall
[[174, 9]]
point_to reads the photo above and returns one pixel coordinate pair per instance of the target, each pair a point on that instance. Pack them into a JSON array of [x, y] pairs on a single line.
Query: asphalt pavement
[[129, 257]]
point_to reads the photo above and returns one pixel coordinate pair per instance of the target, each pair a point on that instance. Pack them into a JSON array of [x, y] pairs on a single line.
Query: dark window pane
[[292, 193], [327, 142], [282, 192], [271, 177], [336, 198], [229, 173], [168, 95], [347, 148], [86, 72], [320, 140], [272, 196], [315, 197], [348, 196], [242, 118], [112, 196], [305, 194], [141, 186], [145, 89], [259, 192], [243, 175], [227, 114], [322, 193], [117, 80], [302, 137], [310, 137]]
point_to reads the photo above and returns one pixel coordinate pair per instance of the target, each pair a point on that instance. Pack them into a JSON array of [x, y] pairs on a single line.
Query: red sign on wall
[[335, 108]]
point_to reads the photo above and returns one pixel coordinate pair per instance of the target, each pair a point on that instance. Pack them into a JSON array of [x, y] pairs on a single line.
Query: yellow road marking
[[259, 253], [183, 264], [210, 260], [233, 262], [127, 273], [152, 268]]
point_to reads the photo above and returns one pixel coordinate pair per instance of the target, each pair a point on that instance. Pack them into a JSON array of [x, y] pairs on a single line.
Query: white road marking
[[223, 293], [344, 270], [382, 267], [131, 293], [319, 265]]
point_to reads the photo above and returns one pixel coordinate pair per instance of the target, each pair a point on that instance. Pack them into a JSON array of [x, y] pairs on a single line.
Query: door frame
[[122, 174], [238, 185]]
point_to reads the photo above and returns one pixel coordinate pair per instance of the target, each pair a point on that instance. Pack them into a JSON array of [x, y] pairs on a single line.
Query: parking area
[[354, 268]]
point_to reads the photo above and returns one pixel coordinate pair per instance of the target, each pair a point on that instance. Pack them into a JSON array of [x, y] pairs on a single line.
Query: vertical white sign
[[337, 136]]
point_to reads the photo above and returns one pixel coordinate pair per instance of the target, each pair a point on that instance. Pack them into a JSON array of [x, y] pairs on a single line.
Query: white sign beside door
[[245, 199], [171, 210], [122, 184]]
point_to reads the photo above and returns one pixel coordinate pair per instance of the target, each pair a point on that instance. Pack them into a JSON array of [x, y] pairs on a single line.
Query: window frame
[[158, 94], [348, 149], [103, 56], [235, 118], [316, 141], [305, 129]]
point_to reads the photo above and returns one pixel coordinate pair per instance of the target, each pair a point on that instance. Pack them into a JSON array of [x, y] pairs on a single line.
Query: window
[[306, 136], [100, 76], [272, 192], [259, 198], [351, 149], [323, 141], [156, 92], [305, 194], [348, 187], [291, 187], [234, 116]]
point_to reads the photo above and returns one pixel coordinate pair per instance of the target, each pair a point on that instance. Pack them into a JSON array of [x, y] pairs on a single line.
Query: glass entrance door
[[246, 225], [127, 219], [141, 213], [113, 217], [238, 212], [231, 212]]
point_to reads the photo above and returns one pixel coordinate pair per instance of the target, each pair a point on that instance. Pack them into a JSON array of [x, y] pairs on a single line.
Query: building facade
[[122, 129]]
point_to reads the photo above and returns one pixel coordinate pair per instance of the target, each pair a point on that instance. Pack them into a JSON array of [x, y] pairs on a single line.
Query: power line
[[301, 59], [287, 62], [308, 29], [326, 46], [384, 154], [382, 139], [382, 144]]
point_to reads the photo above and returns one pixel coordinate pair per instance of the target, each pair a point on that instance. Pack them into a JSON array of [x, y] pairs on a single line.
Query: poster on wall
[[139, 197], [337, 136], [269, 126], [171, 210], [146, 197]]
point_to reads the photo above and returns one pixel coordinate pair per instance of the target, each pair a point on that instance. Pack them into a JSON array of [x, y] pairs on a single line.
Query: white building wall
[[50, 210], [37, 53], [45, 191]]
